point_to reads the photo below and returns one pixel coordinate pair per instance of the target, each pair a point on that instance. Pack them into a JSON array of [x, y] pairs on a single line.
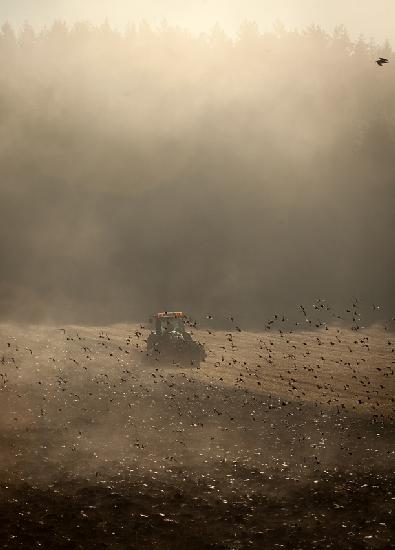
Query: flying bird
[[381, 60]]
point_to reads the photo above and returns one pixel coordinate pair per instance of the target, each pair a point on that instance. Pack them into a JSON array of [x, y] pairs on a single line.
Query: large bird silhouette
[[381, 60]]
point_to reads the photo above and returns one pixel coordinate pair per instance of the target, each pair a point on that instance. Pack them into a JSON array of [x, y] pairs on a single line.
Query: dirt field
[[279, 440]]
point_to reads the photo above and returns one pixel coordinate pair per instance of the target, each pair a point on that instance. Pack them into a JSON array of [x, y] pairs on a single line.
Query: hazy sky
[[365, 17]]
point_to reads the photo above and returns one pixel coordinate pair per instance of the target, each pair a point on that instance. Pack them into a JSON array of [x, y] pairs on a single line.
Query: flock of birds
[[298, 400], [313, 367]]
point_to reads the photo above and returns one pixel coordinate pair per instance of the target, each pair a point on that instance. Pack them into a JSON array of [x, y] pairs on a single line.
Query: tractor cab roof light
[[171, 314]]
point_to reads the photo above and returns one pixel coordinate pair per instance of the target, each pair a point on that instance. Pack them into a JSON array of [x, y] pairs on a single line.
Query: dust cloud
[[159, 169]]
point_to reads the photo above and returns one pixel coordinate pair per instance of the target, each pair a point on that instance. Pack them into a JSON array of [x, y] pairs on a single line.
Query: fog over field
[[163, 169], [242, 174]]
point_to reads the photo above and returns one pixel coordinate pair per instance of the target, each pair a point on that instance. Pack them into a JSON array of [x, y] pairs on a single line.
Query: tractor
[[170, 341]]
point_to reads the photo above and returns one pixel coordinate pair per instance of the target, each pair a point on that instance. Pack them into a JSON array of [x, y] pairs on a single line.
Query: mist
[[156, 169]]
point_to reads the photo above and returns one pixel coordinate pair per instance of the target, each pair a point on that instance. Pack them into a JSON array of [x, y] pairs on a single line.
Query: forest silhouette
[[157, 169]]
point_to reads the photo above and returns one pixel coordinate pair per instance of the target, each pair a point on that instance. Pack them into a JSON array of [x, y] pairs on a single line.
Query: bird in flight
[[381, 60]]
